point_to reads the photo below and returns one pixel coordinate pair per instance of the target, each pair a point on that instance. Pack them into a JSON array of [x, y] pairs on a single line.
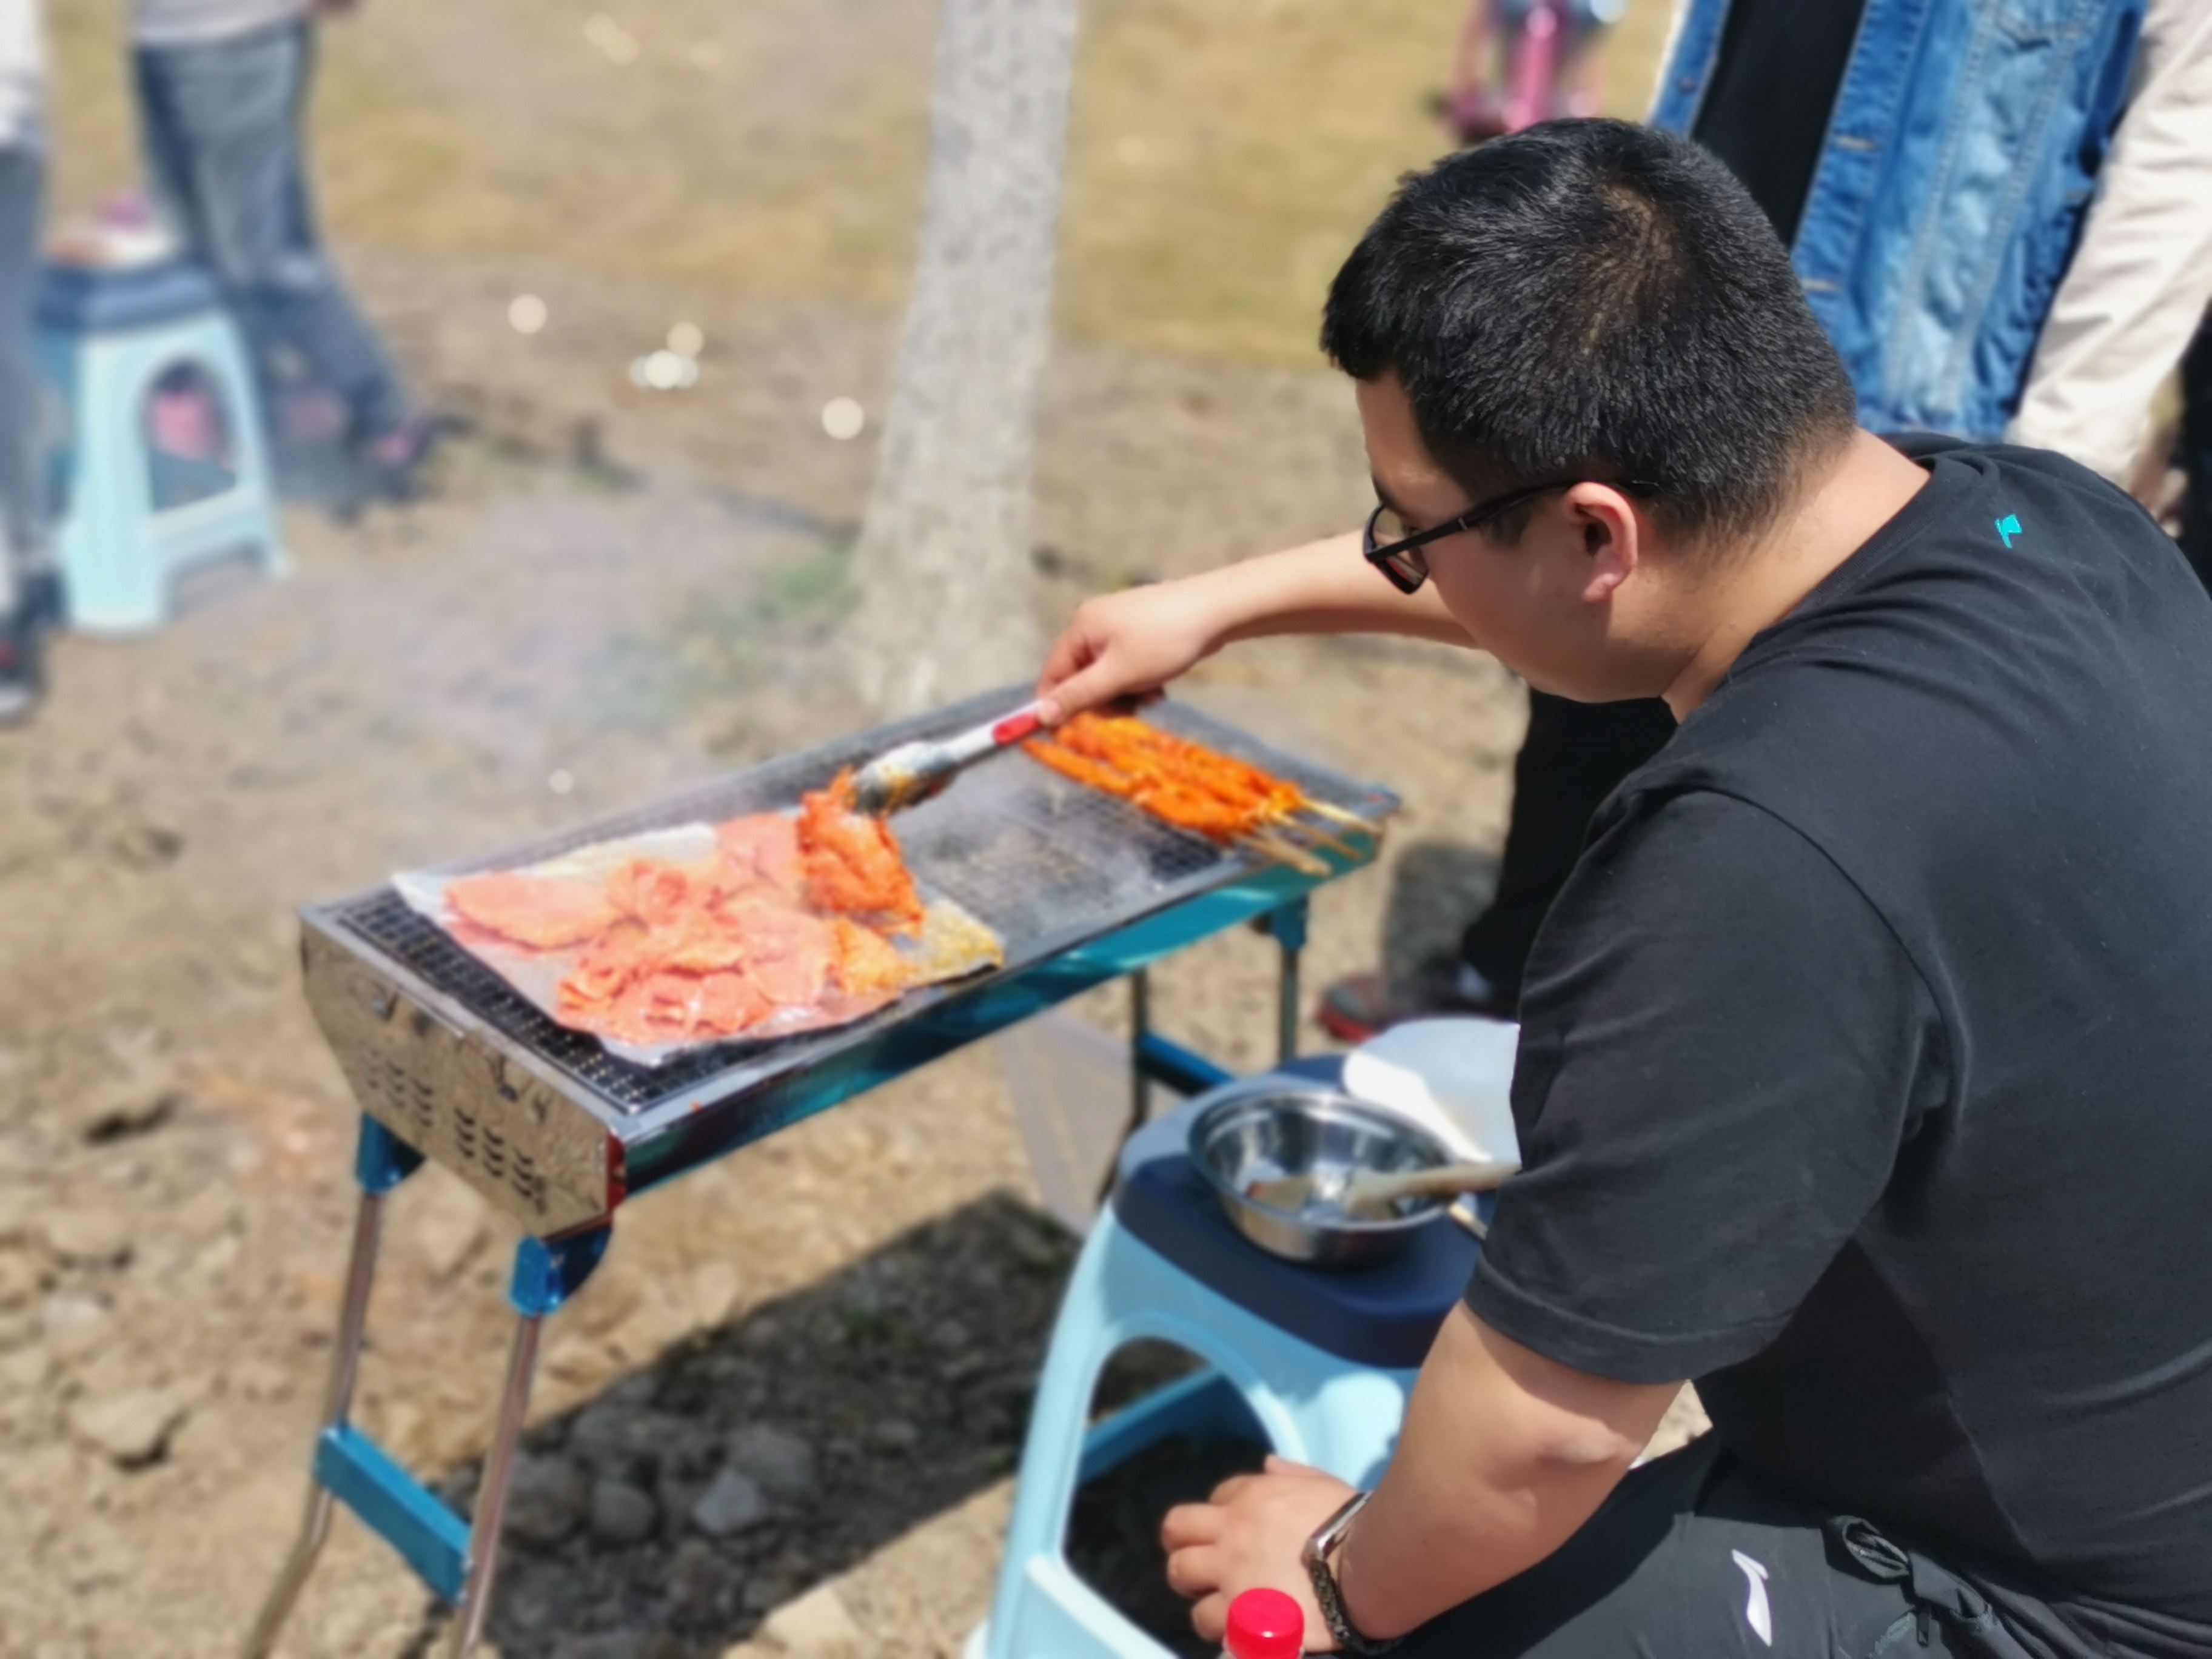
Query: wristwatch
[[1316, 1556]]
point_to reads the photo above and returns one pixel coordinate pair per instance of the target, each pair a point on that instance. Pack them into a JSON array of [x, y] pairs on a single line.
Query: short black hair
[[1595, 299]]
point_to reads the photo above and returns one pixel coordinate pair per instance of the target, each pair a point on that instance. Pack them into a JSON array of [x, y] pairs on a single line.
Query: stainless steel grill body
[[554, 1130]]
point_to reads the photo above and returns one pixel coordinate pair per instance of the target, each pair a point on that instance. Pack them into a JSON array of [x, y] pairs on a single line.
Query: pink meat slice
[[789, 955], [731, 1004], [766, 845], [545, 913]]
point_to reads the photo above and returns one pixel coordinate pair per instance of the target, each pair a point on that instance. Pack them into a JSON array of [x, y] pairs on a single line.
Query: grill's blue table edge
[[456, 1558]]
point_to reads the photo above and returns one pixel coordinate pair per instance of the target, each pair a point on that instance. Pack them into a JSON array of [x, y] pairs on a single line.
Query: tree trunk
[[944, 557]]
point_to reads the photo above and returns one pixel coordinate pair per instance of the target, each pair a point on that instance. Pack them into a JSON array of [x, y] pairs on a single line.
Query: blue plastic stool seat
[[107, 339], [1317, 1364]]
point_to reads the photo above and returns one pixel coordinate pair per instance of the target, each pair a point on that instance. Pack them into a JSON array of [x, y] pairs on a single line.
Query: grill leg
[[1288, 925], [1140, 1081], [381, 1165], [547, 1273], [491, 1500], [1141, 1027]]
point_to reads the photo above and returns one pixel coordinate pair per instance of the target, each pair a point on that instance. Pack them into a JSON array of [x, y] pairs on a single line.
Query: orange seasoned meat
[[542, 912], [867, 963], [853, 863], [1181, 783]]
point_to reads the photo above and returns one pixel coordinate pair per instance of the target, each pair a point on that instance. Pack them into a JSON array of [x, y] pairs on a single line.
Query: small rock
[[258, 1378], [130, 1430], [697, 1579], [815, 1627], [677, 1492], [959, 1367], [532, 1605], [19, 1278], [66, 1311], [73, 1325], [613, 1436], [948, 1336], [24, 1370], [731, 1504], [605, 1645], [146, 846], [546, 1498], [783, 1465], [126, 1106], [894, 1434], [621, 1513], [1032, 1248], [768, 1592], [89, 1236], [863, 1296]]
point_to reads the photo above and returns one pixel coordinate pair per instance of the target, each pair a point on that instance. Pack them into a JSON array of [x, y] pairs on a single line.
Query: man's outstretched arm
[[1504, 1454], [1137, 641]]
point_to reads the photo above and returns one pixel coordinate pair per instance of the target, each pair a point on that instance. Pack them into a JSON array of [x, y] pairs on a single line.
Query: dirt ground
[[611, 594]]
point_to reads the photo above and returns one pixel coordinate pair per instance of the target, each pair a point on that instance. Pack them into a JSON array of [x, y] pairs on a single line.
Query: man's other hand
[[1250, 1536]]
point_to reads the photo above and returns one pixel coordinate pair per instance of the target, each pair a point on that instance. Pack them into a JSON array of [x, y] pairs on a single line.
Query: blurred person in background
[[1520, 62], [1997, 212], [2195, 453], [26, 607], [223, 91]]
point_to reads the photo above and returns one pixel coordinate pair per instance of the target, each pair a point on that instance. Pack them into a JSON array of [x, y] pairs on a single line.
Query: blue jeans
[[222, 135], [22, 515]]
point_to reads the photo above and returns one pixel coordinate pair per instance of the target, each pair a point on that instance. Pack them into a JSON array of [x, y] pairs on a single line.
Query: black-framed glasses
[[1398, 556]]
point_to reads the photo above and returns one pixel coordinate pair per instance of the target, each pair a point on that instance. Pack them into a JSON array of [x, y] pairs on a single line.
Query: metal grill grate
[[1044, 862]]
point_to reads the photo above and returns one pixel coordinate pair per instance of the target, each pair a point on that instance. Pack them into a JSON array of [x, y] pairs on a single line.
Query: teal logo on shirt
[[2009, 527]]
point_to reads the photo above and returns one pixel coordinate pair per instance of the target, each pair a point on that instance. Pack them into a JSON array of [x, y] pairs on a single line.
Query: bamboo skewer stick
[[1319, 837], [1350, 820], [1284, 852]]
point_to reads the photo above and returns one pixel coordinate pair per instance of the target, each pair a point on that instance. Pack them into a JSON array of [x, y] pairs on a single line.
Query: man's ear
[[1611, 542]]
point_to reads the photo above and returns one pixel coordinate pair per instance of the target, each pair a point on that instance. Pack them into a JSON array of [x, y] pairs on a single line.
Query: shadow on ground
[[666, 1518]]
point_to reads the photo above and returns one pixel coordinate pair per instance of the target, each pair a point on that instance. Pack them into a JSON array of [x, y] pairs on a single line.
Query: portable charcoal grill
[[448, 1063]]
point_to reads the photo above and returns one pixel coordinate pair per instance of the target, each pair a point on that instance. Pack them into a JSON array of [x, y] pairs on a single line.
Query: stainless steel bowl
[[1272, 1129]]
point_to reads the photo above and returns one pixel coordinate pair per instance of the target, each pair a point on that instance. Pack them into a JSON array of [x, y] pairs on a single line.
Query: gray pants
[[22, 495], [222, 138]]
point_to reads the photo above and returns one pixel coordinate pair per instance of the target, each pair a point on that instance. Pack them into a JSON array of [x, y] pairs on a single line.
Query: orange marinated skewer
[[1186, 784]]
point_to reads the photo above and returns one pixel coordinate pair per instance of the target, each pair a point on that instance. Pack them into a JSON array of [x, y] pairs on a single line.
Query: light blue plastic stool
[[1308, 1403], [106, 338]]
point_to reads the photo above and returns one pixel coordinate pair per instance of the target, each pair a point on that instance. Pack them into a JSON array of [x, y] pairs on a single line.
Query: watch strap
[[1327, 1595]]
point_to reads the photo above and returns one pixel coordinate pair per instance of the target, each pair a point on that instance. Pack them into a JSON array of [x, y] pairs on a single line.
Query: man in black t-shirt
[[1863, 1058]]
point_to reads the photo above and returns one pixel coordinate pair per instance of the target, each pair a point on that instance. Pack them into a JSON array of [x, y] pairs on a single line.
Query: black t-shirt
[[1765, 112], [1866, 1058]]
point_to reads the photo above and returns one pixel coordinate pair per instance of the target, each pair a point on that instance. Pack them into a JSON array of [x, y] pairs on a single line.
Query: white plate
[[1453, 1077]]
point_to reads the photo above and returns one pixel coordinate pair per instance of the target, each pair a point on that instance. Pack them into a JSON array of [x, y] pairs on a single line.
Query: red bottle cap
[[1265, 1624]]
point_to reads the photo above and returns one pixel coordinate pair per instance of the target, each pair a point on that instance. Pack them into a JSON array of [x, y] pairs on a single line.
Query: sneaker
[[392, 464], [1360, 1005]]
